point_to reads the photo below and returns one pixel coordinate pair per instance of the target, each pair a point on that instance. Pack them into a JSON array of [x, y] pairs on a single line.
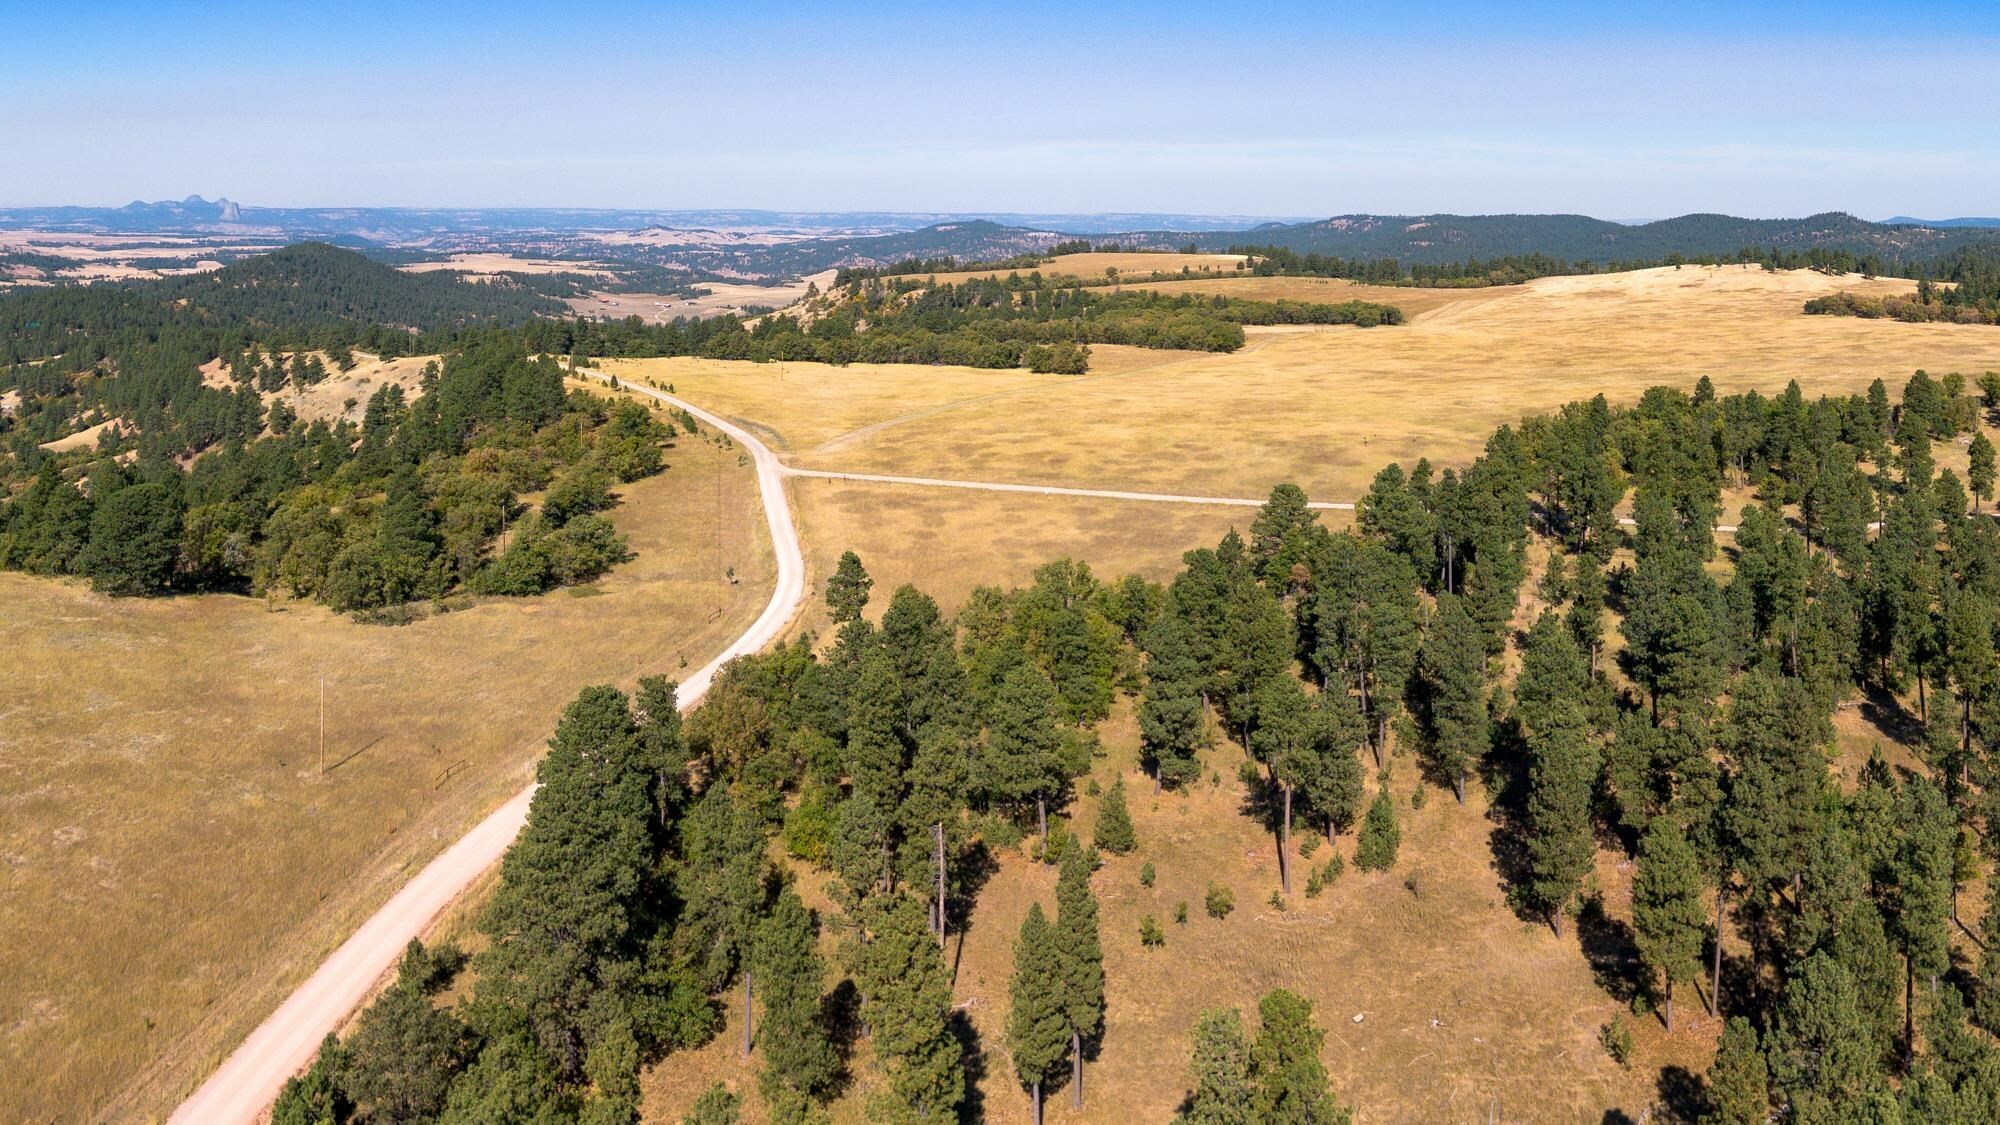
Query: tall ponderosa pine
[[1332, 777], [1979, 468], [906, 1002], [567, 914], [722, 884], [1739, 1091], [1021, 761], [1563, 767], [663, 744], [1453, 665], [1281, 535], [1081, 955], [801, 1063], [1037, 1016], [847, 590], [1171, 724], [1365, 620], [1921, 920], [1667, 910]]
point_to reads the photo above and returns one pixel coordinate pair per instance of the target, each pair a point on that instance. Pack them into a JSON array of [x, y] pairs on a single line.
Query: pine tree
[[1563, 767], [801, 1064], [1376, 850], [1365, 618], [135, 538], [1986, 1001], [1667, 910], [1586, 609], [1821, 1057], [847, 590], [722, 885], [1037, 1020], [1772, 741], [405, 1052], [1281, 738], [566, 915], [1114, 831], [1453, 664], [1979, 467], [1081, 957], [1223, 1093], [663, 742], [1332, 776], [1292, 1084], [1170, 713], [1020, 761], [1280, 535], [906, 1002], [1921, 920], [1738, 1082]]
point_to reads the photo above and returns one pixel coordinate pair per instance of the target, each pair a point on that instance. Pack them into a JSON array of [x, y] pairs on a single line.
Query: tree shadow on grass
[[1683, 1096], [973, 1108], [975, 868], [1609, 945], [1504, 771]]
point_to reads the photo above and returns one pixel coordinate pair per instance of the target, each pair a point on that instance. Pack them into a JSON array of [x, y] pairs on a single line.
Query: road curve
[[249, 1080]]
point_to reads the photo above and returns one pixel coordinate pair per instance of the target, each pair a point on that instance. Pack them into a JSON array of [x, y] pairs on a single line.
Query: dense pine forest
[[201, 484], [1814, 908], [1044, 324]]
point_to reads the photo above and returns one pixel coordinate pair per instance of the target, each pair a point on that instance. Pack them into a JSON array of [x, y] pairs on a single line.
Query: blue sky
[[1624, 111]]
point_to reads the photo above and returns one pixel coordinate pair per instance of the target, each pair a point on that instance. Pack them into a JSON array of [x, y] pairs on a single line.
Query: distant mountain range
[[1455, 238], [801, 242], [396, 224]]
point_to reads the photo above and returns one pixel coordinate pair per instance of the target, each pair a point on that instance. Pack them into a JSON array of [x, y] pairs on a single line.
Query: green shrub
[[1220, 901], [1150, 934], [1617, 1039], [1180, 913], [1146, 874]]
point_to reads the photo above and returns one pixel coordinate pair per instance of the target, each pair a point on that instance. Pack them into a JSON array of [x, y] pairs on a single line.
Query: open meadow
[[1328, 407], [1091, 266], [175, 860]]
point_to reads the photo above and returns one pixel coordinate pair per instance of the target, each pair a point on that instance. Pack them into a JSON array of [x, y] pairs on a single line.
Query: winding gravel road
[[283, 1044], [249, 1080]]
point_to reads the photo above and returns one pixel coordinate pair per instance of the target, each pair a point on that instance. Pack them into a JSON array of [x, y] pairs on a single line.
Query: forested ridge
[[1045, 324], [897, 761]]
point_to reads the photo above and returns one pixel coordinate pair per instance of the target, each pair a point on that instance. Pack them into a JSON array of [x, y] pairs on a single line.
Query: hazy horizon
[[1263, 110]]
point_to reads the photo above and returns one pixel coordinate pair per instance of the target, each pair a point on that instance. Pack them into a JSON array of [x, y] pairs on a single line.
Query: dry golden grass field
[[173, 859], [1413, 300], [1133, 264], [1328, 407]]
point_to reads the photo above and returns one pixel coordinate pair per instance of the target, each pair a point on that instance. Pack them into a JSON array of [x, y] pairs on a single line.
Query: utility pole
[[322, 726], [719, 577], [938, 832]]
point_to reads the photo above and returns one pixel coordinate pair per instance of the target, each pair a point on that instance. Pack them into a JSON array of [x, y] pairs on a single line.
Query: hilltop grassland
[[1091, 266], [1327, 407], [175, 861]]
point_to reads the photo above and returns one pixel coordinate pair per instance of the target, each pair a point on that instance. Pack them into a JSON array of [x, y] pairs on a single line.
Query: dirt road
[[249, 1080]]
